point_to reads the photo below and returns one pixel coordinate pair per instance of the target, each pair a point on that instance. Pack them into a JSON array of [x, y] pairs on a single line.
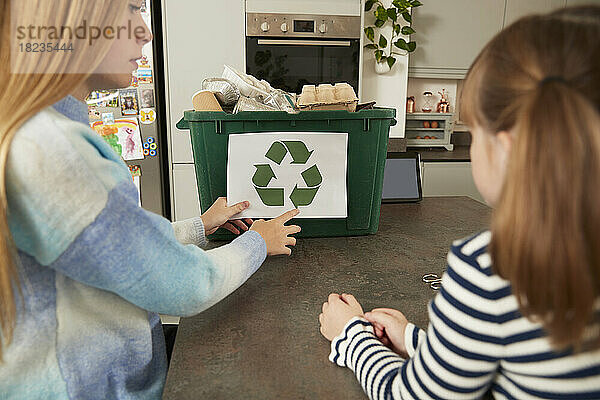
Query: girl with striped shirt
[[518, 314]]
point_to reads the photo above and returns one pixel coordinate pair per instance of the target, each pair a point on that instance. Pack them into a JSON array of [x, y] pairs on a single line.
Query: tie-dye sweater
[[95, 269]]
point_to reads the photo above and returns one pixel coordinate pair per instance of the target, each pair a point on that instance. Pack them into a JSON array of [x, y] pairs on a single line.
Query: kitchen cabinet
[[421, 133], [200, 36], [582, 2], [449, 179], [450, 34], [185, 194], [516, 9]]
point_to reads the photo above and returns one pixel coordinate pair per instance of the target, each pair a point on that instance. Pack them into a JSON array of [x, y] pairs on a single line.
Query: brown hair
[[23, 95], [540, 79]]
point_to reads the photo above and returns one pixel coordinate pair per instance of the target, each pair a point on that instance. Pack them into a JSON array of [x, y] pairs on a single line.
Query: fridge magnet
[[144, 75], [108, 118], [109, 134], [124, 137], [150, 147], [103, 98], [93, 113], [134, 79], [147, 116], [130, 137], [144, 71], [136, 174], [146, 98], [129, 101], [135, 170]]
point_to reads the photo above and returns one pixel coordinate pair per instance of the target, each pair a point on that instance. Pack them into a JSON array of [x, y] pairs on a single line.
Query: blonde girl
[[84, 270], [518, 312]]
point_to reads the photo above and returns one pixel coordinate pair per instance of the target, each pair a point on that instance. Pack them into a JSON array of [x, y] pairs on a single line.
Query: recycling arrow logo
[[273, 196]]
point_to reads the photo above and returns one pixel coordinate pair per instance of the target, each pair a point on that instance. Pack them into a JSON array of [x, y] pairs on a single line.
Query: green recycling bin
[[367, 130]]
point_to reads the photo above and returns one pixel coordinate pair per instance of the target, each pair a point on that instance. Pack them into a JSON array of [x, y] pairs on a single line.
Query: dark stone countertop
[[460, 153], [263, 340]]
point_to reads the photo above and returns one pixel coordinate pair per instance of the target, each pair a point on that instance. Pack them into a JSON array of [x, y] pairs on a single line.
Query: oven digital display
[[304, 26]]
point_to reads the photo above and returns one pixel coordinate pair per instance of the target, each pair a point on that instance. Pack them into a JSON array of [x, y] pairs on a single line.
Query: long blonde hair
[[540, 79], [24, 94]]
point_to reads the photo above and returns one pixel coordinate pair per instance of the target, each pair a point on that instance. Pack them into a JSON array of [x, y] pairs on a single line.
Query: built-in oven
[[290, 51]]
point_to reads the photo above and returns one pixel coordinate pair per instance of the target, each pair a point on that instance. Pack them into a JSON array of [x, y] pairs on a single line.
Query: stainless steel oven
[[290, 51]]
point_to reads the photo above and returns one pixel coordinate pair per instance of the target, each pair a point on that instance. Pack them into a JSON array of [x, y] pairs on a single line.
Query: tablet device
[[402, 178]]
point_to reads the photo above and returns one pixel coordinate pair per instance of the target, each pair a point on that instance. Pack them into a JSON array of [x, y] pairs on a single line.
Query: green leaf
[[416, 3], [382, 41], [371, 46], [370, 33], [379, 23], [401, 44], [378, 55], [402, 5], [383, 59], [411, 46], [391, 12], [396, 29], [407, 30], [381, 13], [407, 17], [369, 4], [391, 61]]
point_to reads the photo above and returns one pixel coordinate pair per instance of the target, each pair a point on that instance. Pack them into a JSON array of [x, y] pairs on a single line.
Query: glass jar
[[428, 102]]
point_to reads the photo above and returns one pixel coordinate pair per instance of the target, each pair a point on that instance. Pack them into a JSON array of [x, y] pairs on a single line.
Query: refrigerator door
[[132, 120]]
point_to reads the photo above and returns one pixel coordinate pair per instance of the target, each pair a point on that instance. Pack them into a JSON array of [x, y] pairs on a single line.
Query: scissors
[[434, 281]]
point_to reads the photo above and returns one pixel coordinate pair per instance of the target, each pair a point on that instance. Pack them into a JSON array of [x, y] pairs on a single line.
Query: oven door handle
[[293, 42]]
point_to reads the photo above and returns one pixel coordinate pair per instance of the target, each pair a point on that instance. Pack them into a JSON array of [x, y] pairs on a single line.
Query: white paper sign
[[277, 172]]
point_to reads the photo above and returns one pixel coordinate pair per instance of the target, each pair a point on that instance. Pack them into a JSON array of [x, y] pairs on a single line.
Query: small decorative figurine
[[410, 104], [443, 106]]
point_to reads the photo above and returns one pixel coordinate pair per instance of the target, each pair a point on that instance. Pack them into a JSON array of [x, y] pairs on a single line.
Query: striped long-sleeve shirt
[[477, 341], [95, 268]]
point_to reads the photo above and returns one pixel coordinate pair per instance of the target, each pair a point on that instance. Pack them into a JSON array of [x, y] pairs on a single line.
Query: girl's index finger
[[285, 217]]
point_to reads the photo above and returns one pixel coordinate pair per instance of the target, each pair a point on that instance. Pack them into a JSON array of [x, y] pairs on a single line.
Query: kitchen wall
[[416, 87]]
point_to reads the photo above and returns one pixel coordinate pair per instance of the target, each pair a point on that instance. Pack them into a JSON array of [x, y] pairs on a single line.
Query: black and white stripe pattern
[[477, 341]]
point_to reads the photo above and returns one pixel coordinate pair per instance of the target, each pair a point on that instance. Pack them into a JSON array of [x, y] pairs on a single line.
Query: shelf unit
[[440, 136]]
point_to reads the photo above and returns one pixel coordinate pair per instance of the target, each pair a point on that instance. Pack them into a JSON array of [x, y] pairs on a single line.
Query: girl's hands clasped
[[276, 233], [389, 327], [337, 311], [389, 324], [219, 214]]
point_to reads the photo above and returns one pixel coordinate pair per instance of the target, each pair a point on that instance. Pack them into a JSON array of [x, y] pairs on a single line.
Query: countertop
[[263, 340], [460, 153]]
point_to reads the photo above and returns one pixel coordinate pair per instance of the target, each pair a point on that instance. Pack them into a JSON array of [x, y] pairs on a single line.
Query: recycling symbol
[[273, 196]]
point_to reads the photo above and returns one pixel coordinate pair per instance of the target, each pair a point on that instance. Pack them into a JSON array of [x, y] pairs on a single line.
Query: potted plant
[[385, 50]]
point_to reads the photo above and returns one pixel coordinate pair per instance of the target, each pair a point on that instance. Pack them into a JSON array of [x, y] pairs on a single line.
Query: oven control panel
[[302, 25]]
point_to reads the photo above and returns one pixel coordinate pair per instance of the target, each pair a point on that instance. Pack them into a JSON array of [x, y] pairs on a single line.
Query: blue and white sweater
[[477, 341], [95, 269]]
